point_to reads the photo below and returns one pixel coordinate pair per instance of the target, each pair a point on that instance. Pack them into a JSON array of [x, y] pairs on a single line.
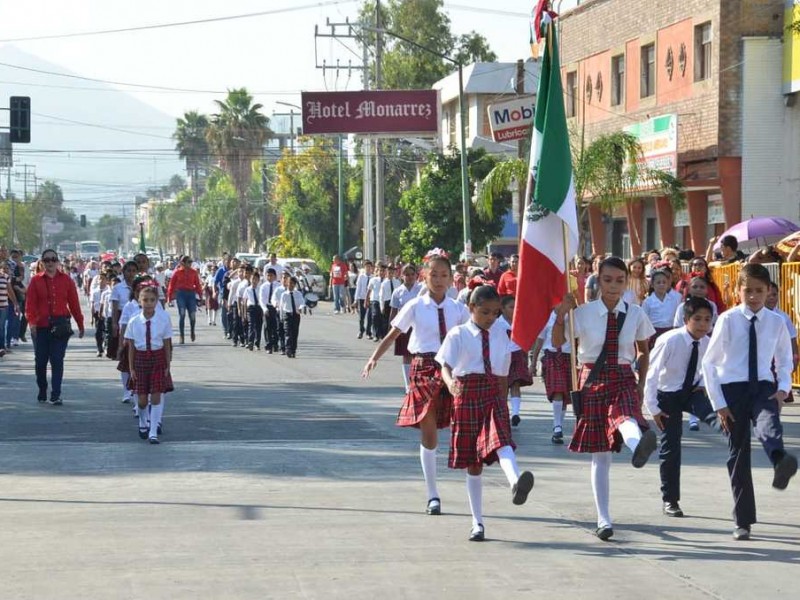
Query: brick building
[[672, 73]]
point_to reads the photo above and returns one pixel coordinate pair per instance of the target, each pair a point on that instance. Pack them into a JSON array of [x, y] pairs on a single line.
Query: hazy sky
[[273, 55]]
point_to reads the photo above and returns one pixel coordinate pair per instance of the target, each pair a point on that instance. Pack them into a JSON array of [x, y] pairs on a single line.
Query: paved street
[[281, 478]]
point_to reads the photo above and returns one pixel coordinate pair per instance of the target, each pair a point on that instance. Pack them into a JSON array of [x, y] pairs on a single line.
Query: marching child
[[772, 304], [612, 336], [290, 304], [97, 315], [661, 306], [255, 314], [129, 310], [265, 293], [427, 404], [242, 322], [475, 359], [149, 335], [519, 374], [556, 372], [364, 313], [107, 309], [388, 286], [374, 302], [407, 291], [674, 385], [745, 392], [277, 296]]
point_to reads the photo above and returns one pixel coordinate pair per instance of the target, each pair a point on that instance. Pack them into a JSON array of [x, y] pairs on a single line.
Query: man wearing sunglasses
[[52, 300]]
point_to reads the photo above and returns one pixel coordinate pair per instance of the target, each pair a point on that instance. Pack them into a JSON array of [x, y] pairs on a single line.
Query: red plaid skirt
[[152, 376], [480, 424], [426, 391], [556, 374], [607, 403], [401, 344], [122, 365], [519, 372]]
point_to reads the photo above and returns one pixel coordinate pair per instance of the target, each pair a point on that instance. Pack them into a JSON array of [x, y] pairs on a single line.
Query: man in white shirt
[[674, 385], [379, 328], [361, 300], [273, 263], [388, 286]]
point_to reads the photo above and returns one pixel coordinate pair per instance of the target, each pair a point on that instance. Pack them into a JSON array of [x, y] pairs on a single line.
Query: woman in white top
[[427, 404], [610, 408]]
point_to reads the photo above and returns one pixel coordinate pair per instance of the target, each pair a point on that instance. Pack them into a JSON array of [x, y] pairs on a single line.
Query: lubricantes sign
[[512, 120], [379, 112]]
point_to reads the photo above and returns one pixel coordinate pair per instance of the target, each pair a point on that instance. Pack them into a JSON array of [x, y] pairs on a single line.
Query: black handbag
[[576, 396], [60, 328]]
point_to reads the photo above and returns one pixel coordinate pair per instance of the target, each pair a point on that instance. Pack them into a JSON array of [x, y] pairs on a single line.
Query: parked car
[[247, 257], [315, 276]]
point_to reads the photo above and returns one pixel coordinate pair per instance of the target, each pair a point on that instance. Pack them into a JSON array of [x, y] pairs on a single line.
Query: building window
[[702, 52], [572, 94], [618, 80], [648, 64]]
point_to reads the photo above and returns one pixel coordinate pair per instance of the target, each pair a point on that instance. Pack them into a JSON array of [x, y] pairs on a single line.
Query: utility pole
[[521, 185], [380, 188]]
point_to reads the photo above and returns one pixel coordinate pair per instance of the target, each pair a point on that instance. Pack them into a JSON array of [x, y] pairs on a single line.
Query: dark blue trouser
[[377, 320], [271, 328], [760, 413], [224, 316], [255, 319], [291, 328], [47, 349], [364, 318], [674, 404]]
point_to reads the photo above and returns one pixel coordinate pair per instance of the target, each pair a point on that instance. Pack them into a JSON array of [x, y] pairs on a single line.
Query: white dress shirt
[[402, 295], [788, 320], [727, 357], [95, 299], [669, 361], [506, 326], [590, 329], [679, 321], [422, 314], [361, 286], [285, 305], [251, 295], [388, 286], [265, 293], [374, 288], [242, 288], [105, 302], [547, 335], [160, 330], [121, 293], [662, 312], [130, 310], [277, 295], [233, 286], [462, 350]]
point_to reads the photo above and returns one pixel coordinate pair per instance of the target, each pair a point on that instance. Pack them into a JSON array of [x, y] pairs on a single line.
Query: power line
[[178, 23]]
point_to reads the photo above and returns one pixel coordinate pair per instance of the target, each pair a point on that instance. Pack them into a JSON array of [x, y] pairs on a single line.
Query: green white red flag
[[550, 213]]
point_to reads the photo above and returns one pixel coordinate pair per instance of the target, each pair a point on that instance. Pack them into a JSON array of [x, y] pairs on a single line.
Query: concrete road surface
[[280, 478]]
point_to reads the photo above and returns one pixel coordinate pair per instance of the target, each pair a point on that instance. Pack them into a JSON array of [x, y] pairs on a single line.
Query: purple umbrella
[[760, 227]]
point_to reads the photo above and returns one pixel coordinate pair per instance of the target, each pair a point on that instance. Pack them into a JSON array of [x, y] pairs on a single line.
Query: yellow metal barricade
[[790, 300], [725, 277]]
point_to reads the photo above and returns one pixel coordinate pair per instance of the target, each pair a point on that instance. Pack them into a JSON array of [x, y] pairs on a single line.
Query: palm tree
[[237, 134], [192, 146]]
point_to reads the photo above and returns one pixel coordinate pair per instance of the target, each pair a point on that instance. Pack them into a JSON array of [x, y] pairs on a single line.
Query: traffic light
[[20, 107], [83, 220]]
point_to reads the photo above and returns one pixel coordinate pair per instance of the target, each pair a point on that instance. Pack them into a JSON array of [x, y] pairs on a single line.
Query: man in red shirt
[[508, 280], [338, 283], [52, 299], [493, 273]]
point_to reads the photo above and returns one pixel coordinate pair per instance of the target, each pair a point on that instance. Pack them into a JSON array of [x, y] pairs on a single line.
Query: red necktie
[[442, 325], [147, 337], [487, 362]]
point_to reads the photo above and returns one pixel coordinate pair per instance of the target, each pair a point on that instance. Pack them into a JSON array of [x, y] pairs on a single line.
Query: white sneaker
[[14, 342]]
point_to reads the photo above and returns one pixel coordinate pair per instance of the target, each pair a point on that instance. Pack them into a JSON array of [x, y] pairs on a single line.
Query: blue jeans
[[47, 349], [187, 301], [12, 327], [3, 316], [338, 297]]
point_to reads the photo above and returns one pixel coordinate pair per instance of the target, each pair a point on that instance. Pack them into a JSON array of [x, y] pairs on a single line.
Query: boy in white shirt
[[374, 301], [361, 300], [95, 301], [277, 296], [255, 314], [745, 391], [388, 286], [265, 293], [291, 302]]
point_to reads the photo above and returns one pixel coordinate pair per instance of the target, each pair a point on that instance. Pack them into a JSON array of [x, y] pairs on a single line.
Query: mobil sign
[[512, 120]]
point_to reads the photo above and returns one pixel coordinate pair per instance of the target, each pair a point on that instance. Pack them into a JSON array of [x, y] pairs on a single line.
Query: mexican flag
[[550, 213]]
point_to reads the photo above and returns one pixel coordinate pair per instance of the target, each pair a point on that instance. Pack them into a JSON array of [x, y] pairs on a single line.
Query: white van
[[315, 276]]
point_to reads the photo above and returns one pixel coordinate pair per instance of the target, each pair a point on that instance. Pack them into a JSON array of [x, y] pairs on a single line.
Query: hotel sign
[[380, 112]]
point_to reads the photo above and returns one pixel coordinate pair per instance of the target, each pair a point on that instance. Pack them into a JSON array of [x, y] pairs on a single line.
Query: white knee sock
[[601, 468], [406, 371], [143, 418], [475, 495], [155, 419], [125, 377], [508, 462], [428, 460], [631, 434], [515, 404], [558, 413]]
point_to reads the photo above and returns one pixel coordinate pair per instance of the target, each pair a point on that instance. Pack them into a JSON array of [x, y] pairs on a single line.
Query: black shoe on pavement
[[515, 420], [42, 398], [360, 335], [477, 534], [785, 469], [693, 426], [143, 432], [672, 509], [523, 487], [434, 507], [741, 534], [154, 440], [558, 436], [56, 400], [604, 533], [646, 447]]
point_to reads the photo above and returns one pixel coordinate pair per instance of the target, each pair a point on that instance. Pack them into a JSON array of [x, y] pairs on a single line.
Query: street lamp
[[461, 109]]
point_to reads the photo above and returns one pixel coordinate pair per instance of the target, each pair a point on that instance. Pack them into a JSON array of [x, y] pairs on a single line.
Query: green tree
[[435, 209], [237, 134], [192, 145], [306, 197], [473, 47], [28, 225], [109, 230]]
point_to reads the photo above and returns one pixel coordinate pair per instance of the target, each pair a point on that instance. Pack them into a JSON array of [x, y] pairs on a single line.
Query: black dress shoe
[[523, 487], [785, 469], [558, 436], [42, 398], [672, 509], [515, 420], [360, 335], [154, 440], [56, 400], [434, 507], [741, 534], [645, 448], [694, 426], [143, 432], [477, 534], [604, 533]]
